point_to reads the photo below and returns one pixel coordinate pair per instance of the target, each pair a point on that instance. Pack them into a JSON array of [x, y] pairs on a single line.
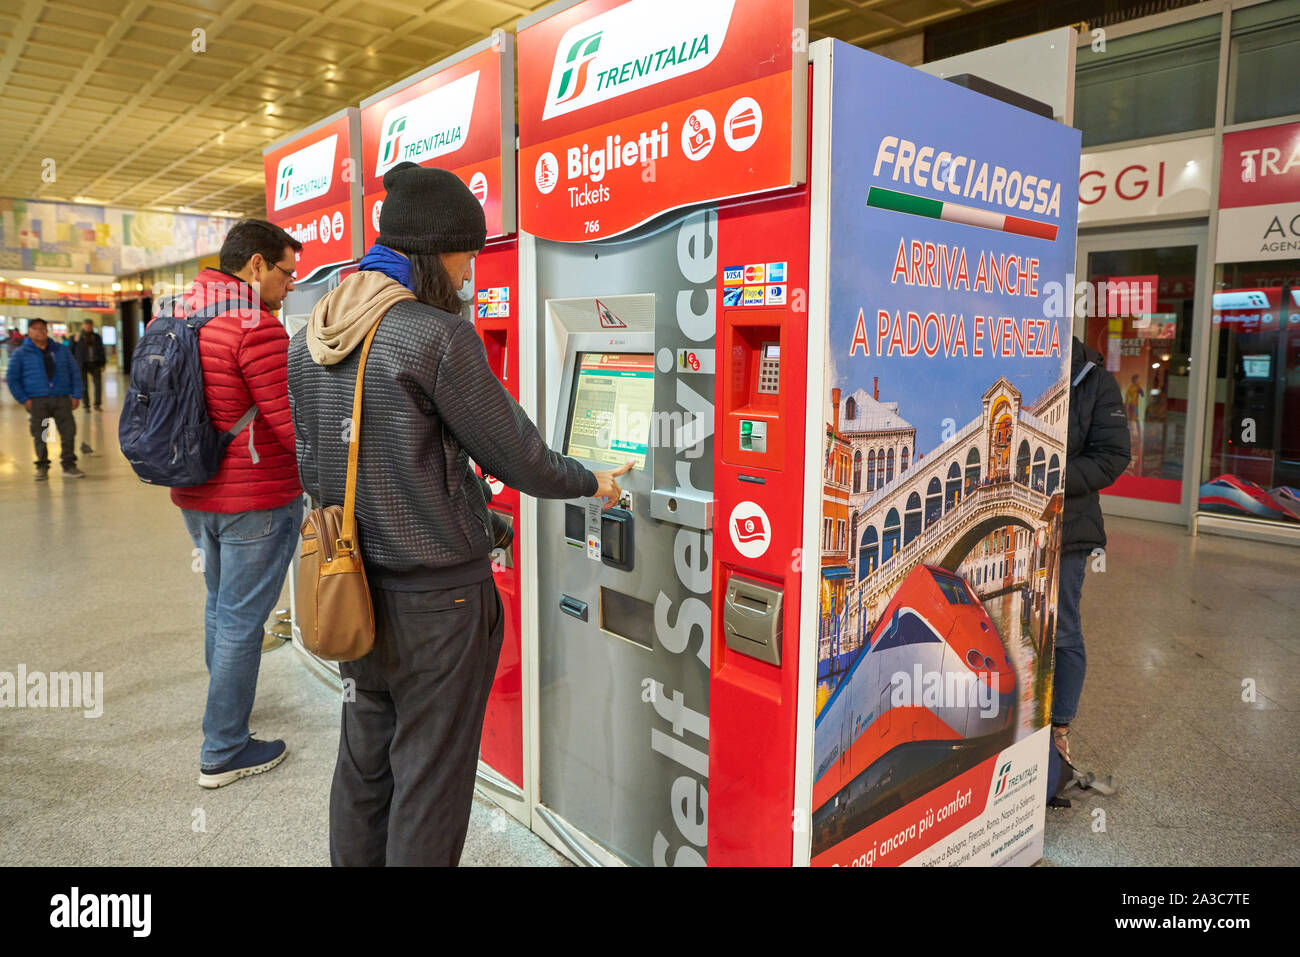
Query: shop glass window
[[1148, 354], [1149, 84], [1261, 62], [1252, 465]]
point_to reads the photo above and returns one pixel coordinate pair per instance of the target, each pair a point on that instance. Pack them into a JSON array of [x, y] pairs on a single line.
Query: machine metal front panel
[[624, 727]]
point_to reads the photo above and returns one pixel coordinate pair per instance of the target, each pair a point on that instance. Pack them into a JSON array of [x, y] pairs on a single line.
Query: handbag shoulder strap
[[348, 531]]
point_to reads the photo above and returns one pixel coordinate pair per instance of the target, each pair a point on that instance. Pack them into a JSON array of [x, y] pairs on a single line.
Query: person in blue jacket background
[[44, 378]]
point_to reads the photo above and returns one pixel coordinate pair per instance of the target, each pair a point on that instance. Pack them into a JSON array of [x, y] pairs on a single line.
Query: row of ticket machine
[[653, 703]]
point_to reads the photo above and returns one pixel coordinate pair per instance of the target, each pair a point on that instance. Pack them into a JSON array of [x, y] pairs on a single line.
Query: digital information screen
[[609, 414]]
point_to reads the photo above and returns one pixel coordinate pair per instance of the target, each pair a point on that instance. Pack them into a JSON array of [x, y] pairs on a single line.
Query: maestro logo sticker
[[751, 531], [634, 46]]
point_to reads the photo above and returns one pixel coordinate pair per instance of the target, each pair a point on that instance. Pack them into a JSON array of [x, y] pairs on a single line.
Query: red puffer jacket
[[244, 361]]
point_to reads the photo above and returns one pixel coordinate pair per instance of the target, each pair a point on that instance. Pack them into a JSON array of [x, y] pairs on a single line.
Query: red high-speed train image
[[929, 696]]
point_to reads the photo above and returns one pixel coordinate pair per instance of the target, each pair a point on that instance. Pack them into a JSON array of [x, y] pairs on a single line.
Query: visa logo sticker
[[731, 295], [754, 295], [733, 275], [776, 294], [776, 272], [754, 273], [481, 295]]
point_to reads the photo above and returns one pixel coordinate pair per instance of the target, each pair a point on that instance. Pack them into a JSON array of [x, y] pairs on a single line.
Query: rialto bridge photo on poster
[[985, 504]]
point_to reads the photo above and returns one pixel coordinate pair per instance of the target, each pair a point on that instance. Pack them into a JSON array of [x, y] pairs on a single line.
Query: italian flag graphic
[[956, 213]]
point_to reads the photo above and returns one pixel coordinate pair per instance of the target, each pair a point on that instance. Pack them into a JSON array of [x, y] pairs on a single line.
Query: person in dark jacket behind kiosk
[[88, 348], [43, 377], [408, 743], [1096, 454]]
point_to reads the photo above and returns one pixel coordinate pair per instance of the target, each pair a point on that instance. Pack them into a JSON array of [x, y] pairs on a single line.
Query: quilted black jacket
[[1097, 450], [430, 402]]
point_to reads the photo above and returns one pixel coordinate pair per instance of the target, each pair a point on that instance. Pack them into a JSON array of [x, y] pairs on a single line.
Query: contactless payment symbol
[[743, 123], [751, 532], [547, 172], [697, 135], [478, 186]]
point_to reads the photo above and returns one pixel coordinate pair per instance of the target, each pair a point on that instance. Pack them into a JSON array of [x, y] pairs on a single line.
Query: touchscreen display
[[609, 414]]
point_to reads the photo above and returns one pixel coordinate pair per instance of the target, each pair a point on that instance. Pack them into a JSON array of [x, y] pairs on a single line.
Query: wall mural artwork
[[98, 240]]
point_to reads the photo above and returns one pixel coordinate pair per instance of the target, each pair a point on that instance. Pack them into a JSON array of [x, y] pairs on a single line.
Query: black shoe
[[99, 408], [86, 409], [42, 473], [71, 471]]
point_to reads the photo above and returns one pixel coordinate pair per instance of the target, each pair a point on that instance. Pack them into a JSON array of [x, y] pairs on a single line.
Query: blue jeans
[[245, 558], [1071, 661]]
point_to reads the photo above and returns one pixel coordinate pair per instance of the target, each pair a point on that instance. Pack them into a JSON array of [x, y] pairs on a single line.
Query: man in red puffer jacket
[[245, 521]]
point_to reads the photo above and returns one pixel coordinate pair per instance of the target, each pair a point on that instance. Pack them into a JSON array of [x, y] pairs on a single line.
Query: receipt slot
[[751, 619]]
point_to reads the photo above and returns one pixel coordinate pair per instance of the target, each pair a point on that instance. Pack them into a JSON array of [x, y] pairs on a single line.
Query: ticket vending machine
[[726, 346], [496, 318]]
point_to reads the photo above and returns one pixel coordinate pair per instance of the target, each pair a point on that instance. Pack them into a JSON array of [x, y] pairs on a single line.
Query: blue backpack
[[164, 431]]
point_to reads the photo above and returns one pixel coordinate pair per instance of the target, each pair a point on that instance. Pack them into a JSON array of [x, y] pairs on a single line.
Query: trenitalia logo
[[392, 141], [306, 174], [1004, 774], [428, 126], [585, 50], [637, 45]]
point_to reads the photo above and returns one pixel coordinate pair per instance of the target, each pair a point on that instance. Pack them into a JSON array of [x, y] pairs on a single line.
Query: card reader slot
[[571, 606]]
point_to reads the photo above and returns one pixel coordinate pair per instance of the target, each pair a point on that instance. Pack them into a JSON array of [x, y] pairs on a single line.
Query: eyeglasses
[[292, 276]]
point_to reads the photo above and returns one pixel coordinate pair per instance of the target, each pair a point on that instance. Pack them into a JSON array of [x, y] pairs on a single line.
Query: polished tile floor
[[97, 576]]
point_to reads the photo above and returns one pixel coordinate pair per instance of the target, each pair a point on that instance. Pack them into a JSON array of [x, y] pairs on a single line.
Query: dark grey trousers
[[408, 745], [57, 411]]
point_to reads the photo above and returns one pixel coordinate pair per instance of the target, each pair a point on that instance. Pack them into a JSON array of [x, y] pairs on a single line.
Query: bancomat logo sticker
[[751, 532]]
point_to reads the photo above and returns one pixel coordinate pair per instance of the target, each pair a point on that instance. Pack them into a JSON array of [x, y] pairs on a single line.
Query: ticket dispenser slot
[[753, 398], [751, 618], [617, 542], [496, 344]]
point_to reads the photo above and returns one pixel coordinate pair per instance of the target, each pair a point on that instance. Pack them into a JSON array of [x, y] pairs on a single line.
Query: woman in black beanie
[[413, 708]]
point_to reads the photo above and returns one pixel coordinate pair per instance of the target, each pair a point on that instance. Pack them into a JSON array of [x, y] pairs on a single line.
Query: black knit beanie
[[429, 211]]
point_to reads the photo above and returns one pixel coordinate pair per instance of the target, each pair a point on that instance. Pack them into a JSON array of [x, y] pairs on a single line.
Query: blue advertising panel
[[952, 230]]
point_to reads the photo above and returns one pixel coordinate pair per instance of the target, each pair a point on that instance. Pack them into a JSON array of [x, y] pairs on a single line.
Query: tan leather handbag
[[333, 597]]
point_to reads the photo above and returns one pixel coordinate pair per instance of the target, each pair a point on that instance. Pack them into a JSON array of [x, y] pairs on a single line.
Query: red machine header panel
[[631, 108], [457, 115], [312, 191]]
